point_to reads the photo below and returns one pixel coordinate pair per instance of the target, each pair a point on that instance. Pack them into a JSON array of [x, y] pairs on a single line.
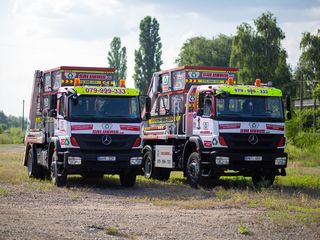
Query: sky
[[43, 34]]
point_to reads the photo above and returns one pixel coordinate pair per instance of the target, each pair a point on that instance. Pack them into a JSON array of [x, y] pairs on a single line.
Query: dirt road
[[89, 212]]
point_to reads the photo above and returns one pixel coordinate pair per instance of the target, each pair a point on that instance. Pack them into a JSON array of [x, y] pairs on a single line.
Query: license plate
[[106, 158], [253, 158]]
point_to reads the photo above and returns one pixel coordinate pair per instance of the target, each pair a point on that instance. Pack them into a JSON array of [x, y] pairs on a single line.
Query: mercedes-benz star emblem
[[253, 139], [106, 140]]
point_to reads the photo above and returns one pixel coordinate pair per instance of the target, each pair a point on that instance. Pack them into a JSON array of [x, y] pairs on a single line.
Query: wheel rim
[[148, 167], [30, 163], [194, 169], [54, 168]]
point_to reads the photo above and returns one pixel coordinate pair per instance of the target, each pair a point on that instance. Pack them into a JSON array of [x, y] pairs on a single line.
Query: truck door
[[203, 123]]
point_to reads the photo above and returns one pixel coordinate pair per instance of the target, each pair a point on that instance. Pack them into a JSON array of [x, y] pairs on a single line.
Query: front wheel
[[58, 175], [128, 179], [194, 170]]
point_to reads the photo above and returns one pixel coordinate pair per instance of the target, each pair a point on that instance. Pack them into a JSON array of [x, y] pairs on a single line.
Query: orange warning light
[[76, 82], [122, 83], [230, 81], [258, 82]]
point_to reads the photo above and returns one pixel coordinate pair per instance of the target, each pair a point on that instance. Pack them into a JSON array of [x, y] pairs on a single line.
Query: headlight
[[135, 160], [222, 160], [280, 161], [74, 160]]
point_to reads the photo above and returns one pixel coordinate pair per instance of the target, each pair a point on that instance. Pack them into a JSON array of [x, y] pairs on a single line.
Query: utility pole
[[301, 90], [314, 107], [22, 115]]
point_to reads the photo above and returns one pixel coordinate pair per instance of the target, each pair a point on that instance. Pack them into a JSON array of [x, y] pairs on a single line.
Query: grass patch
[[3, 192], [116, 232], [307, 156], [11, 168], [73, 197], [243, 229]]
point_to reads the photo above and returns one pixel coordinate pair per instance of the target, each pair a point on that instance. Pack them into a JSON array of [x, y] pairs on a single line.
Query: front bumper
[[246, 164], [111, 163]]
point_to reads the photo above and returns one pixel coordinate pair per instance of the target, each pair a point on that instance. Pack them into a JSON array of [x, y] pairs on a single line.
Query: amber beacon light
[[122, 83]]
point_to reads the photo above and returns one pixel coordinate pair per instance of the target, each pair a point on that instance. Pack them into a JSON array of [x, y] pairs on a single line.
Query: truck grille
[[240, 141], [94, 141]]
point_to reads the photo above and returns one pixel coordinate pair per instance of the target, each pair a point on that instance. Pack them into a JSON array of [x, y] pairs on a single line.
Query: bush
[[302, 121], [12, 135], [307, 140]]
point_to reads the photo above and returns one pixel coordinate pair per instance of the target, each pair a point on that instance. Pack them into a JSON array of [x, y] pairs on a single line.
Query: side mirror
[[159, 89], [289, 115], [199, 112], [53, 101], [288, 103], [147, 115], [288, 107], [148, 105]]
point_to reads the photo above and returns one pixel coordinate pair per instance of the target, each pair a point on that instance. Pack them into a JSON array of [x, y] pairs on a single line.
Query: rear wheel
[[58, 174], [34, 170], [150, 172], [128, 179], [263, 180]]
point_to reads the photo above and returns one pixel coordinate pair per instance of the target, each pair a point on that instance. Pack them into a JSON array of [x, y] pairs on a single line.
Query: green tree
[[3, 118], [148, 56], [258, 52], [310, 59], [117, 58], [199, 51]]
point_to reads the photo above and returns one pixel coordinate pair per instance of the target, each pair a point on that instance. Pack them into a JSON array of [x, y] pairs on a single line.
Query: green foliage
[[302, 121], [307, 140], [12, 135], [148, 56], [309, 64], [200, 51], [3, 118], [2, 127], [316, 92], [243, 229], [116, 232], [117, 58], [304, 143], [310, 57], [10, 121], [258, 53]]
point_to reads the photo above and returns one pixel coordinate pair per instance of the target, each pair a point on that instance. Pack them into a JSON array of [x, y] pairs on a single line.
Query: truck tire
[[128, 179], [34, 170], [58, 175], [263, 180], [150, 172], [194, 171]]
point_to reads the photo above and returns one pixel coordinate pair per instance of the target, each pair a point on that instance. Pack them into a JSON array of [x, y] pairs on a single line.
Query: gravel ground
[[87, 213]]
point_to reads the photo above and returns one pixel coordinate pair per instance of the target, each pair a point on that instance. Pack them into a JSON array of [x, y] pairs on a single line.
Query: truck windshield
[[249, 108], [104, 109]]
